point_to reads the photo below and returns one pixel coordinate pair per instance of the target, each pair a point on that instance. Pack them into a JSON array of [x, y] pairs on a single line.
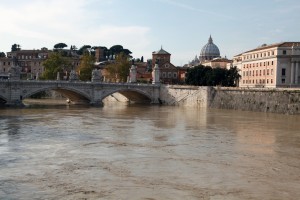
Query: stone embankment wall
[[285, 101], [192, 96]]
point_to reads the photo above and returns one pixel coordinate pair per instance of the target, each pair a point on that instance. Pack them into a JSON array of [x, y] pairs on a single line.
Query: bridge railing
[[80, 82]]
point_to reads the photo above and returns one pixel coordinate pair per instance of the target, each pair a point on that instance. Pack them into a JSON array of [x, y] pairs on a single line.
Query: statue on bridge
[[15, 71], [96, 75], [73, 76]]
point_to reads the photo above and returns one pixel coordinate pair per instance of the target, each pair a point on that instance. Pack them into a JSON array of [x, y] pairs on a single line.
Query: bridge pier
[[96, 104], [14, 103]]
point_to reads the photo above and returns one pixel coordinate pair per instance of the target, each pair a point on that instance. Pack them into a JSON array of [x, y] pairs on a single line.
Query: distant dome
[[209, 51]]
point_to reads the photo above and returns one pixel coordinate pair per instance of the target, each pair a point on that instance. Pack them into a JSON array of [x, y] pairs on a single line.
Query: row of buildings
[[271, 66], [31, 63]]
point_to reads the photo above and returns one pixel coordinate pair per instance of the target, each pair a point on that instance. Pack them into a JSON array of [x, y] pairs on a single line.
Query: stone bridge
[[12, 92]]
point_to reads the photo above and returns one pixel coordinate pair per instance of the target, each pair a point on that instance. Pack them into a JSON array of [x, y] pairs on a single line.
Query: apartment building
[[271, 66]]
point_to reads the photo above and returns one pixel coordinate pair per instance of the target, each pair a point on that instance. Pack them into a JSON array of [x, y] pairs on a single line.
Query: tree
[[54, 64], [207, 76], [120, 68], [233, 77], [2, 55], [60, 46], [117, 49], [15, 47], [86, 67], [197, 75]]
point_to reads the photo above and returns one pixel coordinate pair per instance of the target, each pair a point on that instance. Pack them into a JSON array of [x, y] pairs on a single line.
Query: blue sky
[[182, 27]]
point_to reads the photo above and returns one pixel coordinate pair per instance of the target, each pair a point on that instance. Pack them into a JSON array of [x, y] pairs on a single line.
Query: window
[[164, 74], [268, 71], [264, 72], [169, 74], [283, 71], [174, 75], [271, 80], [284, 52], [272, 72], [272, 62], [283, 80], [267, 81]]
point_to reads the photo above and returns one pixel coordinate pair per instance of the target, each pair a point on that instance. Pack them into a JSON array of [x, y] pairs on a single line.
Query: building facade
[[217, 63], [30, 61], [169, 74], [271, 66]]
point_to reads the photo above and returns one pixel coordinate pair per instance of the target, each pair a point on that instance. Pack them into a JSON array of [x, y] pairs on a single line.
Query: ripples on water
[[147, 152]]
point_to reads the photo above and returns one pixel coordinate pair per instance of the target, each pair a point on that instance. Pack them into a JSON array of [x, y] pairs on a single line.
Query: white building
[[272, 66]]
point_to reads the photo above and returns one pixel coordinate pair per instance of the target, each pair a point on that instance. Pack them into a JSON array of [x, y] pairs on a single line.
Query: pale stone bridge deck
[[12, 92]]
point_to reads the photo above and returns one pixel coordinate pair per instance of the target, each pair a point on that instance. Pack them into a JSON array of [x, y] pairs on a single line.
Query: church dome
[[209, 51]]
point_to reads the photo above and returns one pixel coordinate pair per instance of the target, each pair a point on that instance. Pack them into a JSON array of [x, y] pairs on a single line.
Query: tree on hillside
[[117, 49], [86, 67], [53, 64], [60, 46], [15, 47], [83, 49], [120, 68]]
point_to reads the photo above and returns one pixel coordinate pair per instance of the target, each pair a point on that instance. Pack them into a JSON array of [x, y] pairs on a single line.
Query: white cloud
[[45, 23]]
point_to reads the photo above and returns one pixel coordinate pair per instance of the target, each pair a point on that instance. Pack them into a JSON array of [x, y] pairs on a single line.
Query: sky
[[181, 27]]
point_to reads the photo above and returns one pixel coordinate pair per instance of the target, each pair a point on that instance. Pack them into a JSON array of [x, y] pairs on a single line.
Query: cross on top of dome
[[210, 40]]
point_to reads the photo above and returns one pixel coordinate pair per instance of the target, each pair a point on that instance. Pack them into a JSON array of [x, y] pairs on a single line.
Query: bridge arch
[[75, 96], [3, 100], [133, 94]]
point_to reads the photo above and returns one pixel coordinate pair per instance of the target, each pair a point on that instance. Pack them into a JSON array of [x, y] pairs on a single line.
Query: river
[[148, 152]]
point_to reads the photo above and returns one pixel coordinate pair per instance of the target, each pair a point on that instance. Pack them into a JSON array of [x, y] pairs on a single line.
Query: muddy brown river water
[[148, 152]]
